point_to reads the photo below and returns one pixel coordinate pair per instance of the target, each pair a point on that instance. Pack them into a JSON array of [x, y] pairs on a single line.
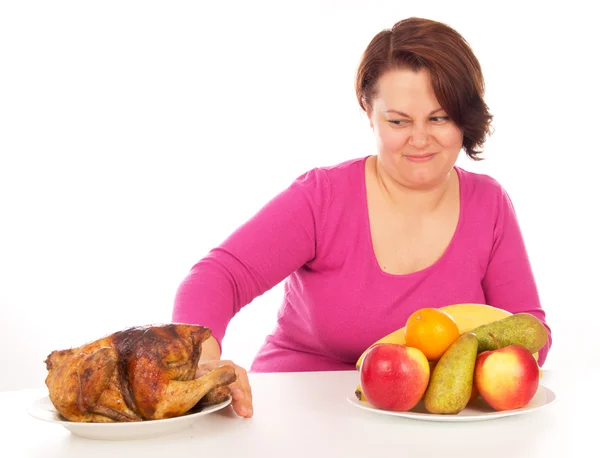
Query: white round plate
[[43, 409], [478, 410]]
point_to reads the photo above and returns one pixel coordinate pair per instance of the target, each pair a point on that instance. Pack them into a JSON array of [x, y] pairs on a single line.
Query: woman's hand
[[240, 389]]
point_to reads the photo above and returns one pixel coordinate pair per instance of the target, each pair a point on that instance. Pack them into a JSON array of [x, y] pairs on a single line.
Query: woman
[[363, 244]]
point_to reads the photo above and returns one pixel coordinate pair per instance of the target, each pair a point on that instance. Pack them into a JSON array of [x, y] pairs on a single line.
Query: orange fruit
[[432, 331]]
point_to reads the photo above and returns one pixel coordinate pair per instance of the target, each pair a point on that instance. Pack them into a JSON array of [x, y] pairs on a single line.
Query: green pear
[[519, 329], [451, 381]]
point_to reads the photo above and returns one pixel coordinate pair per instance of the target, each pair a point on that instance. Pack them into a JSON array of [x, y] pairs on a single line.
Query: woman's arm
[[210, 350], [278, 240], [509, 282]]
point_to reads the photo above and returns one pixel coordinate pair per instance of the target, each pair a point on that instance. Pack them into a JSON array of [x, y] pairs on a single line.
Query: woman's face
[[417, 142]]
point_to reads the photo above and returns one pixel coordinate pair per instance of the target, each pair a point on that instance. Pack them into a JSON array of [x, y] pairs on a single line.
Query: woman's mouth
[[420, 157]]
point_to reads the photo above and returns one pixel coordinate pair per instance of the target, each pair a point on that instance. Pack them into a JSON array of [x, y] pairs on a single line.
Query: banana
[[467, 316], [359, 394], [470, 316]]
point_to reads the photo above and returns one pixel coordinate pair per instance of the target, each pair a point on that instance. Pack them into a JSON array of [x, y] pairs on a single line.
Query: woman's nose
[[419, 137]]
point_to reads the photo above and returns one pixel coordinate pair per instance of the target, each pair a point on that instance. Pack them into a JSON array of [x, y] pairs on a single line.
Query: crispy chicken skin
[[140, 373]]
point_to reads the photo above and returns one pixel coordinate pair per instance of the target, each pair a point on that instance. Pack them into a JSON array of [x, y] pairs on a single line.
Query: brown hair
[[455, 73]]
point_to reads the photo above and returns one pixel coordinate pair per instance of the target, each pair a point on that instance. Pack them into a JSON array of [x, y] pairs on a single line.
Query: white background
[[135, 136]]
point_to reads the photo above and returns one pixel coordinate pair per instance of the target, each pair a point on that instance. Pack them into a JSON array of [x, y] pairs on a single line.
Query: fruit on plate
[[470, 316], [432, 331], [359, 394], [467, 317], [361, 397], [451, 382], [519, 329], [507, 377], [394, 377], [474, 390]]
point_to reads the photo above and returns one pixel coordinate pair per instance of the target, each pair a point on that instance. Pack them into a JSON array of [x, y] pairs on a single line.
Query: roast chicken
[[140, 373]]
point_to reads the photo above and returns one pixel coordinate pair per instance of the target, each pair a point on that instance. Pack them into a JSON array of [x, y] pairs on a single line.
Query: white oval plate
[[478, 410], [43, 409]]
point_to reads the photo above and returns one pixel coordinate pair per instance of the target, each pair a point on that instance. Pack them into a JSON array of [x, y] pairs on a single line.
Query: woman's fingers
[[240, 403], [241, 393]]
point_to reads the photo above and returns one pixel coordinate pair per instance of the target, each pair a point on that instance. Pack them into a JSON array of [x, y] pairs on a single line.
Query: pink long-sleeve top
[[315, 235]]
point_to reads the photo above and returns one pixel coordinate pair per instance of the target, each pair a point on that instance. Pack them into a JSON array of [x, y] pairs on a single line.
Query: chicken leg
[[182, 396]]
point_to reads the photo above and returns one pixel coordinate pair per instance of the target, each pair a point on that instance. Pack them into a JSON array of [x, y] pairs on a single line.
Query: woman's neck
[[407, 200]]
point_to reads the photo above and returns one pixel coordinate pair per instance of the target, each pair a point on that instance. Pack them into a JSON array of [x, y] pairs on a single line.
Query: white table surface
[[307, 414]]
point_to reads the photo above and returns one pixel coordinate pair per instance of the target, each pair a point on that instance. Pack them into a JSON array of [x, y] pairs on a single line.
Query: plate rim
[[491, 415], [45, 404]]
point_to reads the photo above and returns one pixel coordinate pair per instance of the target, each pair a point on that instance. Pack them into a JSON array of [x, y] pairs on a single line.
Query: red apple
[[507, 378], [394, 377]]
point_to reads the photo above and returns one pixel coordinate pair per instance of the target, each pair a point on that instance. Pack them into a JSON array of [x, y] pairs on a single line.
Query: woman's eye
[[440, 118], [398, 122]]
